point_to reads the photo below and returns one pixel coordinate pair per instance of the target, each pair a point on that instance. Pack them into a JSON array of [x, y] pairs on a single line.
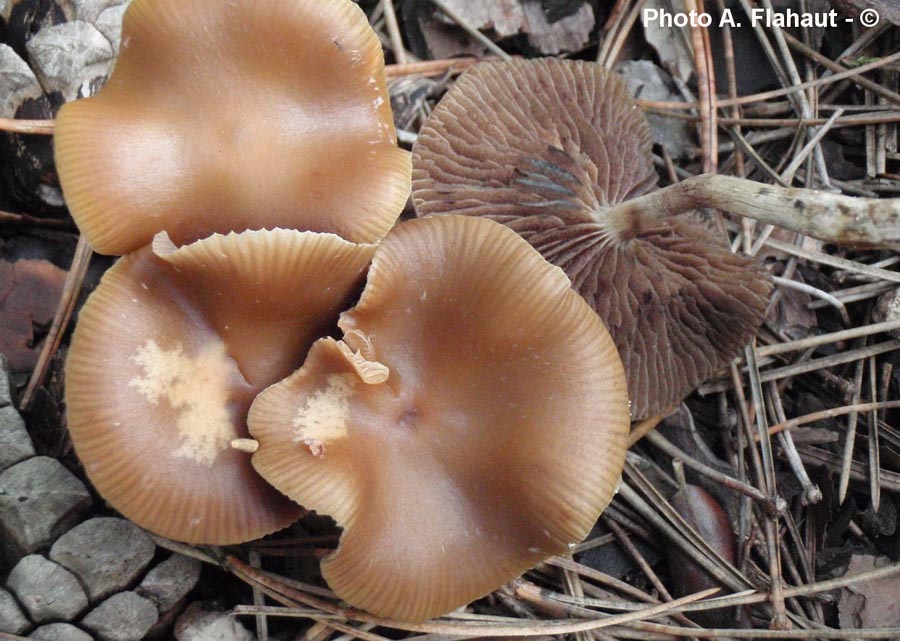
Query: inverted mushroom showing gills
[[552, 148], [169, 353], [471, 423], [225, 116]]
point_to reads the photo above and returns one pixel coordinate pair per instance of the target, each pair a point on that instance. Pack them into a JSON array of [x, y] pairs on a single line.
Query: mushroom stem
[[248, 445], [860, 222]]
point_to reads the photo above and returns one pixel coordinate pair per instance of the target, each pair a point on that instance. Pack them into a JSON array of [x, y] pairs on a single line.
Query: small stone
[[27, 174], [106, 553], [15, 444], [109, 23], [12, 620], [60, 632], [106, 15], [5, 386], [21, 19], [39, 500], [170, 581], [46, 590], [90, 10], [71, 59], [17, 82], [126, 616], [199, 624]]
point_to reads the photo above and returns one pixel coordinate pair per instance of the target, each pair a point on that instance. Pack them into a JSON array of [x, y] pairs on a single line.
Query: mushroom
[[471, 423], [225, 116], [168, 354], [555, 149]]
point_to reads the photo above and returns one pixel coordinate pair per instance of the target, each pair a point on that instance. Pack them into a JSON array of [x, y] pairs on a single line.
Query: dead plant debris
[[797, 440]]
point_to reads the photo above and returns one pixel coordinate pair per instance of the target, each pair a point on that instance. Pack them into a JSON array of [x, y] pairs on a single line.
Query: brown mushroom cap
[[168, 354], [545, 147], [471, 423], [225, 116]]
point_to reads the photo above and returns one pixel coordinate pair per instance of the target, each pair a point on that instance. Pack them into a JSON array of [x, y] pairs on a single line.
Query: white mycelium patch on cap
[[197, 388], [324, 416]]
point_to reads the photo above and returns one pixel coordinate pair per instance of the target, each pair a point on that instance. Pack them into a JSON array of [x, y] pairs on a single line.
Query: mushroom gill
[[471, 423], [549, 147]]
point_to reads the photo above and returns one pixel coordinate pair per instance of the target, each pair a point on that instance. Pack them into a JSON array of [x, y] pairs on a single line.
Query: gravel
[[39, 500], [46, 590], [107, 554], [15, 444], [126, 616]]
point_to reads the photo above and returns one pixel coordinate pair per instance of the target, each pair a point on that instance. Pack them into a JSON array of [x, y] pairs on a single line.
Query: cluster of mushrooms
[[466, 415]]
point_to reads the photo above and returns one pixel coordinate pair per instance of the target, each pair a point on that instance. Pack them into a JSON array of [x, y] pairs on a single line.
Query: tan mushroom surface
[[471, 422], [225, 116], [547, 147], [168, 354]]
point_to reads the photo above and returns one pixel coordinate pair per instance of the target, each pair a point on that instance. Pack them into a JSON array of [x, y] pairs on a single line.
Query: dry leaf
[[647, 81], [672, 44], [29, 293], [869, 604], [702, 512], [505, 18], [571, 33]]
